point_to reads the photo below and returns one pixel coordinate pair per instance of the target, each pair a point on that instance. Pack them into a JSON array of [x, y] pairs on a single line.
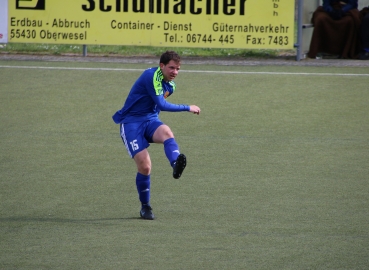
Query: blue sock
[[171, 150], [366, 49], [143, 187]]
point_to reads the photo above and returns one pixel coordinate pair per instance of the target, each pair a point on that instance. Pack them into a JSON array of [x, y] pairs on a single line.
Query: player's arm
[[164, 105]]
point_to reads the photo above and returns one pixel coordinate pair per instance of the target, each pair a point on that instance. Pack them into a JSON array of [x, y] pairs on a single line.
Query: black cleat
[[179, 166], [146, 212]]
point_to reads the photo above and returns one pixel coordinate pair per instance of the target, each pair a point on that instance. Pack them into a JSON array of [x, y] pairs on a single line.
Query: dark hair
[[170, 55]]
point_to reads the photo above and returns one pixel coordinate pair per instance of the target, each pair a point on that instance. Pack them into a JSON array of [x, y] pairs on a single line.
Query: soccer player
[[140, 124]]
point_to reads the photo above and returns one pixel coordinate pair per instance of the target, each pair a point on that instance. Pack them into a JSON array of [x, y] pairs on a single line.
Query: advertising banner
[[3, 21], [178, 23]]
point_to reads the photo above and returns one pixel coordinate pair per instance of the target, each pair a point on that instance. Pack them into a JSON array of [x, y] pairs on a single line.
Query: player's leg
[[143, 163], [163, 134], [136, 145]]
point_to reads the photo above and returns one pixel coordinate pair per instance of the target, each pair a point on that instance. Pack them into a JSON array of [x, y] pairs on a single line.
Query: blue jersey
[[147, 98]]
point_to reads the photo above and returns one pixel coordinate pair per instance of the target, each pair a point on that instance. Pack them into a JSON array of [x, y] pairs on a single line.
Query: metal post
[[298, 45], [84, 50]]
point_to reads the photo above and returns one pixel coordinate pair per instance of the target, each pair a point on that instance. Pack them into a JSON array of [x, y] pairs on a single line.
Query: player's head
[[170, 55], [170, 63]]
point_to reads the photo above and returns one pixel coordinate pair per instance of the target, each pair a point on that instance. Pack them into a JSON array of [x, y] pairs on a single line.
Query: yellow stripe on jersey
[[157, 78]]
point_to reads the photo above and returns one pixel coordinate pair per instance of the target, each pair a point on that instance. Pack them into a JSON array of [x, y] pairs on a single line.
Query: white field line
[[191, 71]]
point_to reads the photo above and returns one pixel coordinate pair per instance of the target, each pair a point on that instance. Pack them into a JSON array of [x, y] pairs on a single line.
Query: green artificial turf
[[277, 174]]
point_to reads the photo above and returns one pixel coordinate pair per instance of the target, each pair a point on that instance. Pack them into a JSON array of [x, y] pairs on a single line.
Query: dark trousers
[[364, 31]]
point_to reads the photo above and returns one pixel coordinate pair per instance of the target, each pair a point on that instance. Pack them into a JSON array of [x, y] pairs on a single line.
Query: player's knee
[[162, 134], [144, 169], [167, 133]]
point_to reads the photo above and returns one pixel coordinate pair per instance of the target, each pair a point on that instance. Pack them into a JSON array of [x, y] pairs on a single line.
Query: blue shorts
[[137, 136]]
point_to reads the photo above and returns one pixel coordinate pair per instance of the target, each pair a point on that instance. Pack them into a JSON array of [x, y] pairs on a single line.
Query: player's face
[[170, 70]]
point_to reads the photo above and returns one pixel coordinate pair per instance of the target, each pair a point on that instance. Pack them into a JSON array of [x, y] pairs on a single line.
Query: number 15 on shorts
[[134, 145]]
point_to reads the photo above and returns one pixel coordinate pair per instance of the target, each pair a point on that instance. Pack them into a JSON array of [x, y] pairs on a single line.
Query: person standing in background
[[336, 29]]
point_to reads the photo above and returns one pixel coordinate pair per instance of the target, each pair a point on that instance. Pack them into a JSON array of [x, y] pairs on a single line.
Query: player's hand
[[194, 109]]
